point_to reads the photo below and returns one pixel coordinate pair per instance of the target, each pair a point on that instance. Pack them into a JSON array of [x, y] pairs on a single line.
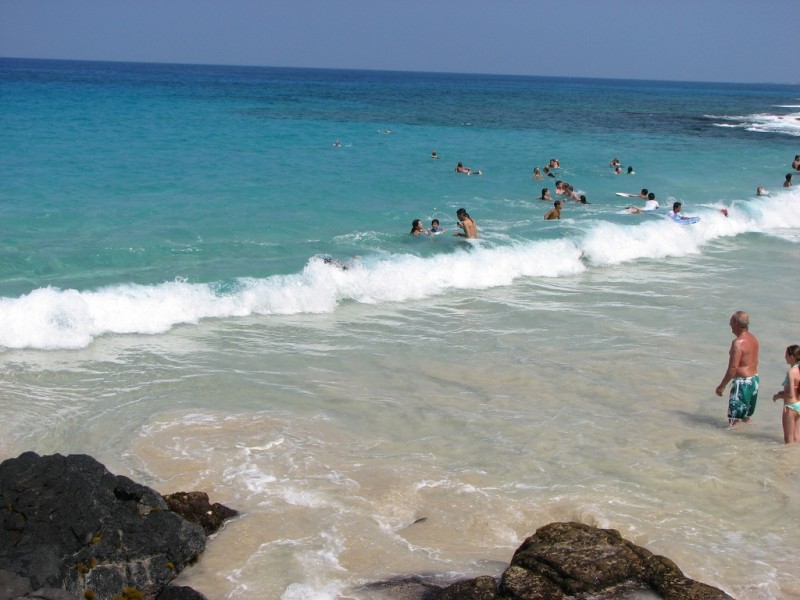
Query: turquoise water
[[166, 306]]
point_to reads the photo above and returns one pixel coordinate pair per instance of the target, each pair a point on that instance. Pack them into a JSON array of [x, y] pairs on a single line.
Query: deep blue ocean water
[[134, 173], [172, 301]]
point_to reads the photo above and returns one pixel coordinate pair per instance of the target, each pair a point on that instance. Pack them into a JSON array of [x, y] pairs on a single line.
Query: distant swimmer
[[385, 131], [335, 262], [796, 162], [651, 203], [642, 194], [676, 215], [465, 222], [545, 194], [631, 171], [434, 156], [555, 212], [460, 168], [554, 163], [614, 162], [583, 200], [337, 144], [617, 170], [417, 228], [537, 174], [760, 191], [788, 180], [572, 194]]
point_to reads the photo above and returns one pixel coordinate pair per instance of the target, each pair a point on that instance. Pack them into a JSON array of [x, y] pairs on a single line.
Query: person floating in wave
[[434, 155], [537, 174], [460, 168], [650, 204], [788, 180], [676, 215], [335, 262], [572, 194], [760, 191], [583, 200], [555, 212], [417, 228], [617, 170], [796, 162], [467, 224], [631, 171], [545, 195], [614, 162], [435, 228], [337, 144]]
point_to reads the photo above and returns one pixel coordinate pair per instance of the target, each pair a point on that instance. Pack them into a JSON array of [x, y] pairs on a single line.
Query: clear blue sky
[[696, 40]]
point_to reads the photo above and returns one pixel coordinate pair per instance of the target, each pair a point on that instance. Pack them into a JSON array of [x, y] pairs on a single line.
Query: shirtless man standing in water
[[466, 223], [742, 371]]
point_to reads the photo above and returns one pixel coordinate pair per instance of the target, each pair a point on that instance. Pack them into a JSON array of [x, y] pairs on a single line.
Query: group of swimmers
[[565, 189], [548, 170], [562, 188], [469, 229], [617, 166]]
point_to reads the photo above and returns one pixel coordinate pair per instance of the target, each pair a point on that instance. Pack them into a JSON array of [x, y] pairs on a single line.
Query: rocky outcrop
[[195, 508], [70, 528], [570, 561]]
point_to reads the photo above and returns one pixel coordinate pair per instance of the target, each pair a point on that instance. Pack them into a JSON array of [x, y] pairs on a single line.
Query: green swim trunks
[[742, 401]]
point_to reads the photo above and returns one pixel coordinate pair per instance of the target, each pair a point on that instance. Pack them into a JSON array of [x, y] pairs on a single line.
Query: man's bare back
[[743, 355]]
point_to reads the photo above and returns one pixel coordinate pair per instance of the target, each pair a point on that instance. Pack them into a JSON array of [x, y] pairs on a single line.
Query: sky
[[748, 41]]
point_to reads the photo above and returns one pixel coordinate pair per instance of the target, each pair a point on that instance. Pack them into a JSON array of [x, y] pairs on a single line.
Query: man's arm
[[733, 364]]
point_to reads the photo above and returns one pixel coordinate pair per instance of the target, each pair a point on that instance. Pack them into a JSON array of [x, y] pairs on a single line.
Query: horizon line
[[376, 70]]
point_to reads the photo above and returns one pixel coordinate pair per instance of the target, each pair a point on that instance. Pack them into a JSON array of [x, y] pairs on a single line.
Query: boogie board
[[688, 221], [627, 195]]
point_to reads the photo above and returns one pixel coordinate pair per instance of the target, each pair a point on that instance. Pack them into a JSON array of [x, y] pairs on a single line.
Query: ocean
[[207, 282]]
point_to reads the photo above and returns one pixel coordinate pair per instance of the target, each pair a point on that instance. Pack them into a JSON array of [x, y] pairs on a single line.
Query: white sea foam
[[51, 318], [788, 124]]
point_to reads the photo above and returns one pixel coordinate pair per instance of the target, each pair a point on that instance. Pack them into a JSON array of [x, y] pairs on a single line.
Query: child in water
[[435, 227], [417, 229]]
